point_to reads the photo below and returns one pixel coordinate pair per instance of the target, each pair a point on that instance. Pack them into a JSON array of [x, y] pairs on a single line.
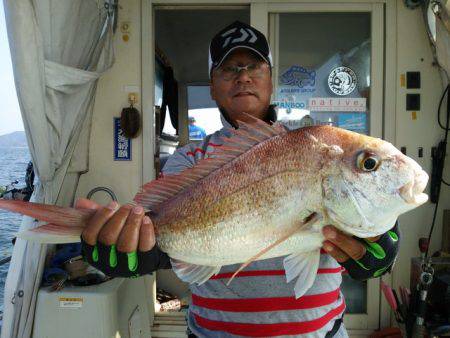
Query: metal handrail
[[105, 189]]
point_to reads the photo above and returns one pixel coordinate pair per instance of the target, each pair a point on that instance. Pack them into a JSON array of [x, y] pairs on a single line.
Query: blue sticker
[[122, 144], [353, 122], [300, 77]]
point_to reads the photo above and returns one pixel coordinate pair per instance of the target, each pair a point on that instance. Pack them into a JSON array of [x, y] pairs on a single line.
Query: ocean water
[[13, 163]]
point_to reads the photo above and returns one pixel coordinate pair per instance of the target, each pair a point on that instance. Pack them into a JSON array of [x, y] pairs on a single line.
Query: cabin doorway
[[181, 83], [184, 109]]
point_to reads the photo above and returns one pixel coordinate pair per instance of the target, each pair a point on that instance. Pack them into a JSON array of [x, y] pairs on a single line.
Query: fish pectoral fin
[[311, 219], [302, 266], [192, 273]]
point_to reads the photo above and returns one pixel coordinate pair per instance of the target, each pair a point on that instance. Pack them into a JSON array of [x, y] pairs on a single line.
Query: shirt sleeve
[[184, 158], [181, 159]]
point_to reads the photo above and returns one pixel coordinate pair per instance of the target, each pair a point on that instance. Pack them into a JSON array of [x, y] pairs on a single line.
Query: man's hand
[[119, 240], [362, 258]]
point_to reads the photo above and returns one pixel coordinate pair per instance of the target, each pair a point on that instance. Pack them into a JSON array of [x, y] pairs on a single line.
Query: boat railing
[[7, 259], [105, 189]]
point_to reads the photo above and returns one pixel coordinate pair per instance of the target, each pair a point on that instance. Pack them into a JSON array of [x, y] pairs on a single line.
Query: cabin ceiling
[[184, 36]]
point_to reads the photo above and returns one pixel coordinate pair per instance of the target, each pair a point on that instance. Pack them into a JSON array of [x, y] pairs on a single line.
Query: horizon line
[[10, 132]]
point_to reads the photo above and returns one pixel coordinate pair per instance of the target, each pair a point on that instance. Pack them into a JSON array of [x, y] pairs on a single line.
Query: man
[[195, 132], [259, 302]]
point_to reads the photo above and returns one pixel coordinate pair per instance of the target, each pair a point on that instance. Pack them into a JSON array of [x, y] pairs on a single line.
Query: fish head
[[370, 185]]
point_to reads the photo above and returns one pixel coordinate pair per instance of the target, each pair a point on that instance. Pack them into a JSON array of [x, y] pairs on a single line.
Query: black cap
[[237, 35]]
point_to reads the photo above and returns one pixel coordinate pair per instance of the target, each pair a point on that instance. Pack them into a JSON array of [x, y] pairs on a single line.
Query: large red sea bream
[[266, 192]]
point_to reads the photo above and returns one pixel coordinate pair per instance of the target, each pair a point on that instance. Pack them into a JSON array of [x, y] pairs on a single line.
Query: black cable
[[439, 109], [446, 128], [432, 227]]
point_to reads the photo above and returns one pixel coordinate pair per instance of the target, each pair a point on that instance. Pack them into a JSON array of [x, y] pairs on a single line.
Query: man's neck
[[269, 117]]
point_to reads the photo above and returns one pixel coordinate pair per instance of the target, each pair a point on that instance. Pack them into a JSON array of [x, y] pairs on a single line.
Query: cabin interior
[[162, 45]]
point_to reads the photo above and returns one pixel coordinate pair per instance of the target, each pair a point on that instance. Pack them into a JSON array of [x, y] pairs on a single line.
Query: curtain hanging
[[59, 49], [170, 98]]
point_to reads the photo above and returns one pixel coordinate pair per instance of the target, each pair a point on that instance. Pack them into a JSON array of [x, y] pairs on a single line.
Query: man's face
[[243, 93]]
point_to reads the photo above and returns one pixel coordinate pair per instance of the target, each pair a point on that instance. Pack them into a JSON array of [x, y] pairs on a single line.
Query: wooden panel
[[171, 314], [169, 328], [168, 335]]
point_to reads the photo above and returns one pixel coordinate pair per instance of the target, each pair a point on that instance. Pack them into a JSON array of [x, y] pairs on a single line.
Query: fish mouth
[[412, 192]]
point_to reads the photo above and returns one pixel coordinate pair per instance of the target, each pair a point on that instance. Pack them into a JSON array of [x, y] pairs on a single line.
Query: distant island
[[15, 139]]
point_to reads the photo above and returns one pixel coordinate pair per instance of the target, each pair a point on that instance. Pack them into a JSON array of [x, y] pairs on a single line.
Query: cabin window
[[203, 114], [324, 74], [159, 76]]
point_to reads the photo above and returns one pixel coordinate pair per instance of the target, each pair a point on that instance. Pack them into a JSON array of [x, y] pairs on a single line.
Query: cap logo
[[245, 33]]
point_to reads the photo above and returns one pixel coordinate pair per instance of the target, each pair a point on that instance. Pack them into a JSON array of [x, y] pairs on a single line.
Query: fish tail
[[65, 224]]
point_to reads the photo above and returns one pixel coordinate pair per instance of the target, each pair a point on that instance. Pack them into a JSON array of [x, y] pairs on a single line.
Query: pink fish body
[[254, 198]]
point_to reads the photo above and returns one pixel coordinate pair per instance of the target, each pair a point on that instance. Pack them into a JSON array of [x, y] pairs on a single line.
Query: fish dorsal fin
[[249, 134]]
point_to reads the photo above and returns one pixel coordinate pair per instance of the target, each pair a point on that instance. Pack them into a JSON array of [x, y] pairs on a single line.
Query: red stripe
[[254, 273], [266, 330], [266, 304], [339, 269], [197, 150]]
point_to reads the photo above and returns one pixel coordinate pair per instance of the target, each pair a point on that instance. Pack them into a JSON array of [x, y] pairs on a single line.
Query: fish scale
[[236, 175], [242, 220]]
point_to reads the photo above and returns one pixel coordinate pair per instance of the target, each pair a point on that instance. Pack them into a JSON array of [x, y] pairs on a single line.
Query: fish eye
[[368, 162]]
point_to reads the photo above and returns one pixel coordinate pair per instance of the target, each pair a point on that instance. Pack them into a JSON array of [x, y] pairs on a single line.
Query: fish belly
[[252, 223]]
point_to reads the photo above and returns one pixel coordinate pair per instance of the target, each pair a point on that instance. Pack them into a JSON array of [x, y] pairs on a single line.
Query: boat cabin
[[380, 49]]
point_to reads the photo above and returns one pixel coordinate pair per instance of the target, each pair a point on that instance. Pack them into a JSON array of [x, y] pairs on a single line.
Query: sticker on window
[[299, 77], [342, 81], [337, 104]]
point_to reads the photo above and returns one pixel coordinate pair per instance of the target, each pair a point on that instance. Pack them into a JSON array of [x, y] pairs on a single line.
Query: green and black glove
[[114, 263], [379, 257]]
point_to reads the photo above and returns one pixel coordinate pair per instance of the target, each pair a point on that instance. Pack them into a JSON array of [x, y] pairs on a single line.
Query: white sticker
[[337, 104], [69, 302], [342, 81]]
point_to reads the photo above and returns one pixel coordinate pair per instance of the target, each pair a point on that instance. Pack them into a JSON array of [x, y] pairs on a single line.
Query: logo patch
[[342, 81], [242, 36]]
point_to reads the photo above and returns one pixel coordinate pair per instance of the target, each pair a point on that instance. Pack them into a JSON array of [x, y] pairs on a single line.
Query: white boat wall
[[73, 77]]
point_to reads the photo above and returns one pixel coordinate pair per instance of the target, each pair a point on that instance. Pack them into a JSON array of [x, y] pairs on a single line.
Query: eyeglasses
[[231, 72]]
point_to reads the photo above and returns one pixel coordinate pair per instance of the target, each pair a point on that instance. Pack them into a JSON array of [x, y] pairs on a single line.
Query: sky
[[10, 119]]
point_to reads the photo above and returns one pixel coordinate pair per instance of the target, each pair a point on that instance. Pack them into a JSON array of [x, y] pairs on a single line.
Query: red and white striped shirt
[[259, 302]]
